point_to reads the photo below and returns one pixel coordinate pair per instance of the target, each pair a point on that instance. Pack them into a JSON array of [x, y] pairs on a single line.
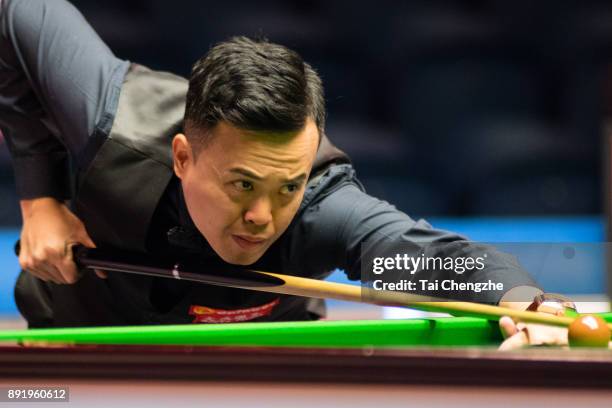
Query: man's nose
[[259, 212]]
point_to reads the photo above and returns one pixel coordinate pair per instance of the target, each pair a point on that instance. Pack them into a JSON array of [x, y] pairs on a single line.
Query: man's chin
[[241, 259], [244, 262], [233, 254]]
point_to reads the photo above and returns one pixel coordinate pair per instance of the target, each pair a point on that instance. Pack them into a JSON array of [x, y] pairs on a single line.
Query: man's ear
[[182, 154]]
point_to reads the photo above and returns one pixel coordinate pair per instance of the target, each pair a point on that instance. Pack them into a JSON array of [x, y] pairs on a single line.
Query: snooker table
[[445, 350]]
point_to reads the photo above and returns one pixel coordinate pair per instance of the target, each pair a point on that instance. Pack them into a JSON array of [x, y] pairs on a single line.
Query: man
[[240, 172]]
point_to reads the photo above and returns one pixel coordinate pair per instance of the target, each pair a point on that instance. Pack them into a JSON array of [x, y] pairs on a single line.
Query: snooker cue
[[195, 270]]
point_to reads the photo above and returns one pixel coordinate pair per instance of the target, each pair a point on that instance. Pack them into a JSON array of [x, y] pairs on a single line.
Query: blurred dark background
[[446, 107]]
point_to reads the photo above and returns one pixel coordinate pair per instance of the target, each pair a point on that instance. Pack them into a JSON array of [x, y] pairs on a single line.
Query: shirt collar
[[186, 236]]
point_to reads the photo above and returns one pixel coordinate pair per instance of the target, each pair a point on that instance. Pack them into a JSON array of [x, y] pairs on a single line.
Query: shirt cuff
[[42, 175]]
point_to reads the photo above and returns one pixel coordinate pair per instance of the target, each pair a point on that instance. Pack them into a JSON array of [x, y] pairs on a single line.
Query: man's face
[[245, 187]]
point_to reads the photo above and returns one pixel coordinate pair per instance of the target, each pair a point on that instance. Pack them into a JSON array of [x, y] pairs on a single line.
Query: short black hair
[[254, 85]]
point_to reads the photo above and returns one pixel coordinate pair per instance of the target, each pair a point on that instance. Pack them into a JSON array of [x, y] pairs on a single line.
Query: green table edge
[[441, 331]]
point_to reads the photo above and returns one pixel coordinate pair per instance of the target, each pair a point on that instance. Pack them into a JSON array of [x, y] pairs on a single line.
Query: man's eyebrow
[[245, 172], [298, 179], [250, 174]]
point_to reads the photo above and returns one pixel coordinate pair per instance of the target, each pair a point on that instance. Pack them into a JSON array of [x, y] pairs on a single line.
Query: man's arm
[[55, 83], [40, 160], [342, 217]]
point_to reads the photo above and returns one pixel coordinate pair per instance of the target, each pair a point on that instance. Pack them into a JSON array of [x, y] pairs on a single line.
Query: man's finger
[[38, 274], [68, 270], [517, 341], [26, 263], [43, 274], [50, 271], [540, 334], [507, 327], [101, 274], [85, 240]]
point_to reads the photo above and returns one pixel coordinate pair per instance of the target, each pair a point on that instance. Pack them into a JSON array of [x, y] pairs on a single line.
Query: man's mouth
[[248, 242]]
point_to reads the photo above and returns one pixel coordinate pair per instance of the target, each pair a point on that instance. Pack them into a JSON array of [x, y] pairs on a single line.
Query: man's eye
[[289, 188], [243, 185]]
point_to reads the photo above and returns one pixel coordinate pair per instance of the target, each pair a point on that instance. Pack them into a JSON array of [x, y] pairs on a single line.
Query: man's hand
[[519, 335], [49, 231]]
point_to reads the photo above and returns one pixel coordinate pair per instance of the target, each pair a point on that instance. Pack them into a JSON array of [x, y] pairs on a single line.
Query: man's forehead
[[309, 130], [262, 162], [234, 152], [287, 145]]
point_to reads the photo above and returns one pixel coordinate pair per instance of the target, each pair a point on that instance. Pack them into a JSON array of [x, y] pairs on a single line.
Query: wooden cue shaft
[[120, 261], [299, 286]]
